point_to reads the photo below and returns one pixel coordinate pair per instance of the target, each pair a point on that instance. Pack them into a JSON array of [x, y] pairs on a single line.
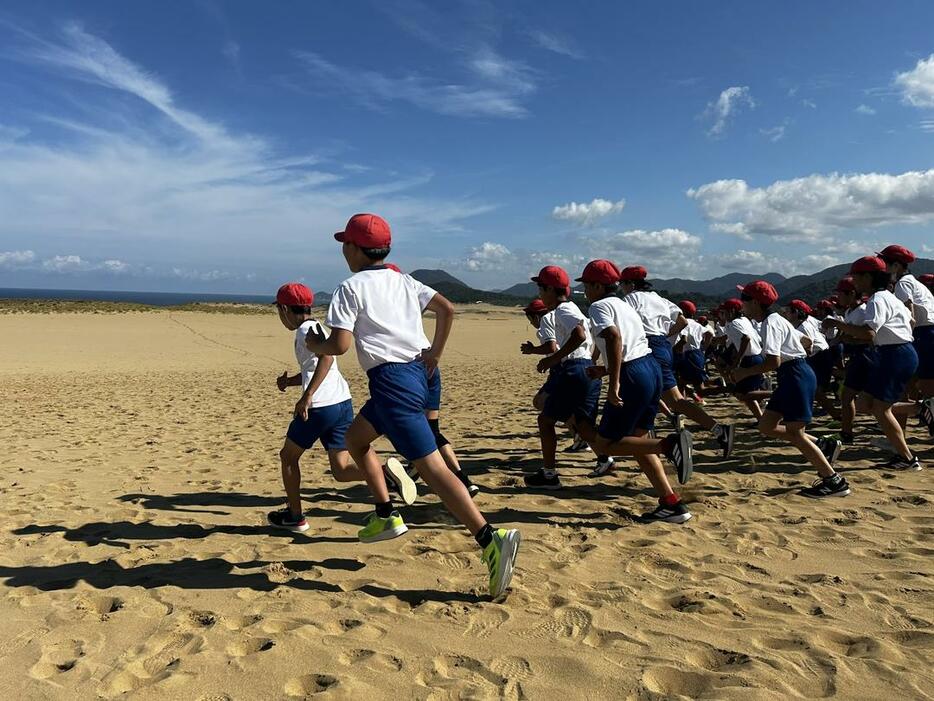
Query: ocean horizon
[[156, 299]]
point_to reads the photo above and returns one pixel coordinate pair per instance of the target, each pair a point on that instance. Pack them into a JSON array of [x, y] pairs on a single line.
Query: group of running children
[[880, 338]]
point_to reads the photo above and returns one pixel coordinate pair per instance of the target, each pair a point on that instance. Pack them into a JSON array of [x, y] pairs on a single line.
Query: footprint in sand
[[57, 658], [468, 676], [310, 684], [157, 659], [371, 659], [485, 619], [251, 646]]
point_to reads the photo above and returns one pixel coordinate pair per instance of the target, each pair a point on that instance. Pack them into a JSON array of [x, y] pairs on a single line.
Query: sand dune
[[140, 458]]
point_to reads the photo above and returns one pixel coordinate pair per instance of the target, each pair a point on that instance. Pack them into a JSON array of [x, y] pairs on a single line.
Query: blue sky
[[216, 146]]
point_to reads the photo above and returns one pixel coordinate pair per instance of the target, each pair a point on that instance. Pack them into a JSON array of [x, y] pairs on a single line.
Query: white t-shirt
[[334, 389], [739, 327], [889, 318], [657, 313], [694, 335], [567, 318], [855, 316], [546, 328], [908, 288], [383, 309], [610, 311], [780, 338], [810, 327]]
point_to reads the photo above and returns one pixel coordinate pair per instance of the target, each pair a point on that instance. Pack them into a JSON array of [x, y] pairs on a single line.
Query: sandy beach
[[140, 458]]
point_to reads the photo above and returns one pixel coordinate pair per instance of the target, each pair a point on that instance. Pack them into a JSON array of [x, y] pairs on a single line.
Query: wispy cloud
[[555, 43], [726, 106], [588, 212], [776, 133], [865, 109]]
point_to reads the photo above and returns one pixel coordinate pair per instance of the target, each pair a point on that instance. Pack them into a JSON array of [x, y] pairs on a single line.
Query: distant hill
[[717, 286], [462, 294], [523, 289], [433, 278]]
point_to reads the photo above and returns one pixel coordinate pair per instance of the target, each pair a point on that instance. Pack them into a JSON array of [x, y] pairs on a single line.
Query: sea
[[156, 299]]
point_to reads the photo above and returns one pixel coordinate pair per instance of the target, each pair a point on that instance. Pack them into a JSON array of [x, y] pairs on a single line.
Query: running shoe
[[681, 454], [677, 513], [472, 489], [604, 466], [500, 559], [675, 421], [725, 433], [377, 529], [578, 446], [833, 486], [285, 520], [926, 414], [897, 462], [830, 447], [398, 479], [539, 480]]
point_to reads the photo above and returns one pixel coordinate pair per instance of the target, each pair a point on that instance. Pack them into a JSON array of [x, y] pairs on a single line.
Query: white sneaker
[[603, 467], [397, 477], [578, 446]]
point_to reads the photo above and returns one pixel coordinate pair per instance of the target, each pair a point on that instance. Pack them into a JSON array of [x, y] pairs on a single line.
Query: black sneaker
[[681, 454], [412, 471], [897, 462], [285, 520], [669, 514], [830, 447], [846, 438], [539, 480], [472, 489], [833, 486], [724, 433], [926, 414], [578, 446]]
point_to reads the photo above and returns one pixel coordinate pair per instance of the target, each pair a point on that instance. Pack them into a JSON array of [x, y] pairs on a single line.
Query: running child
[[569, 396], [789, 409], [859, 356], [633, 392], [380, 312], [692, 345], [323, 413], [799, 313], [888, 326], [746, 346], [661, 318]]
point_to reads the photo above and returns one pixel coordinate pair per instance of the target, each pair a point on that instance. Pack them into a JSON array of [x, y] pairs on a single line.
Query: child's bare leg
[[847, 410], [652, 467], [450, 490], [538, 401], [549, 441], [343, 467], [289, 456], [890, 426], [360, 437], [793, 432], [753, 406], [693, 411], [446, 450]]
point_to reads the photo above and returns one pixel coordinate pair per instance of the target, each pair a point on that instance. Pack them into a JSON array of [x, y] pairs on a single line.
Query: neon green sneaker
[[500, 559], [377, 529]]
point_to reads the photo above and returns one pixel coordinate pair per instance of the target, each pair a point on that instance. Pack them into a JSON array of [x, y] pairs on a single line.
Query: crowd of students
[[869, 348]]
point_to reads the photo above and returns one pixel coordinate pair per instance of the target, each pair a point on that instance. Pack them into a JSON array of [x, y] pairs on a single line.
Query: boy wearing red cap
[[380, 311], [888, 326], [920, 300], [633, 392], [569, 395], [746, 351], [661, 319], [789, 408], [859, 356], [692, 347], [323, 412], [799, 313]]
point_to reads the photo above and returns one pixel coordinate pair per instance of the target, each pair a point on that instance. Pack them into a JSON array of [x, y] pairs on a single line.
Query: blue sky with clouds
[[216, 146]]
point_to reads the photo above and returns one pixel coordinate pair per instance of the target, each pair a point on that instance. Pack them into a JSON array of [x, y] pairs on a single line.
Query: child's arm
[[770, 363], [284, 381], [444, 321], [547, 348], [614, 361], [575, 340], [337, 343], [321, 371], [741, 353]]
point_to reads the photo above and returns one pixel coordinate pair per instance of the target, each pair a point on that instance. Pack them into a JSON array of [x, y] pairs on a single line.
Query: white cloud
[[926, 125], [588, 213], [65, 264], [115, 266], [489, 256], [498, 88], [774, 134], [818, 205], [917, 85], [810, 104], [665, 252], [15, 259], [728, 104], [554, 43], [865, 109]]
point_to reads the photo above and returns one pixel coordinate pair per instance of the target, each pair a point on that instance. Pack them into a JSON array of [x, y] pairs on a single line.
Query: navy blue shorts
[[328, 424], [822, 365], [661, 351], [794, 396], [571, 392], [434, 391], [861, 363], [549, 385], [924, 346], [753, 383], [897, 365], [640, 388], [692, 367], [396, 407]]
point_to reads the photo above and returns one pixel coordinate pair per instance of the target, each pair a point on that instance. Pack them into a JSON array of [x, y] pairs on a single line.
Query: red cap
[[927, 279], [868, 264], [688, 307], [762, 292], [702, 320], [825, 304], [552, 276], [393, 266], [602, 272], [536, 306], [846, 285], [896, 254], [634, 272], [367, 231], [799, 305], [733, 305], [295, 294]]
